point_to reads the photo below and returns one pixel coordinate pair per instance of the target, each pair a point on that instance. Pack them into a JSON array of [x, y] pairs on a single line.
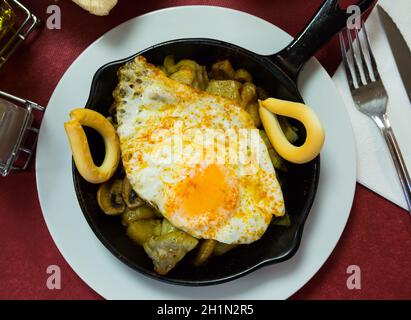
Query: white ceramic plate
[[83, 251]]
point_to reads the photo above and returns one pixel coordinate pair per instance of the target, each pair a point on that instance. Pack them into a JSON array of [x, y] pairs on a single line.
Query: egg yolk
[[210, 192]]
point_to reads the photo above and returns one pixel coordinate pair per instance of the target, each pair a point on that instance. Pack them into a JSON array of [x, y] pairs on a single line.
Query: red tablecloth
[[377, 237]]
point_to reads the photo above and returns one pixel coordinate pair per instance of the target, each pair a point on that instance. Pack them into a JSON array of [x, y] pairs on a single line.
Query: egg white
[[149, 105]]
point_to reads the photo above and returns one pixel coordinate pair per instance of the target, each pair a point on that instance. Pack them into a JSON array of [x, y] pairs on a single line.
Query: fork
[[370, 97]]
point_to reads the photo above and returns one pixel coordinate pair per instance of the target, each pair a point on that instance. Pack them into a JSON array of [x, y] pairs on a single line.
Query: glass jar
[[7, 18], [16, 120]]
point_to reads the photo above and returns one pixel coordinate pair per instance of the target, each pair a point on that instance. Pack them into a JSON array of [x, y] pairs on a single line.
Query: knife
[[399, 48]]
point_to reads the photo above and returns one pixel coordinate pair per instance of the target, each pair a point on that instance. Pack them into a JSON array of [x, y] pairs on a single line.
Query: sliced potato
[[167, 227], [201, 80], [109, 198], [185, 76], [168, 249], [248, 94], [140, 213], [252, 110], [223, 70], [205, 251], [142, 230], [222, 248], [169, 64], [187, 71], [226, 88], [187, 65], [243, 76]]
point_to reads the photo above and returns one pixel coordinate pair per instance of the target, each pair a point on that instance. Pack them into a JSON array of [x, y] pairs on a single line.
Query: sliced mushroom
[[130, 197], [109, 198]]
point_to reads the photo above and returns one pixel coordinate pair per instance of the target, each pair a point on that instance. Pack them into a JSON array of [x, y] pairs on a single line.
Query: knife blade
[[399, 48]]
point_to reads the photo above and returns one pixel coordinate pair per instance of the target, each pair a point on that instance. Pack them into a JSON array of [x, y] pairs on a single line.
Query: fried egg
[[167, 134]]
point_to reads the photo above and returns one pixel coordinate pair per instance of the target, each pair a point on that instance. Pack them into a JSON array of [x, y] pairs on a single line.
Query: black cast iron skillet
[[277, 74]]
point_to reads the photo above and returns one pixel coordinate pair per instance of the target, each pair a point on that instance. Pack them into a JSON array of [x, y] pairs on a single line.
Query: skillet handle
[[328, 20]]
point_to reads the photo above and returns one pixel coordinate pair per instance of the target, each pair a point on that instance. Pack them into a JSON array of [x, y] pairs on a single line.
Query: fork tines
[[358, 57]]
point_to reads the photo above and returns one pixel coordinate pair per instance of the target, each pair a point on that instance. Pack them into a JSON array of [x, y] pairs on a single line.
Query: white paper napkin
[[375, 167]]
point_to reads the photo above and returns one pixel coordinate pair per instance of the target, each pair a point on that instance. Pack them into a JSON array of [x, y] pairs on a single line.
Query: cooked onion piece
[[81, 150], [205, 251], [315, 132]]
